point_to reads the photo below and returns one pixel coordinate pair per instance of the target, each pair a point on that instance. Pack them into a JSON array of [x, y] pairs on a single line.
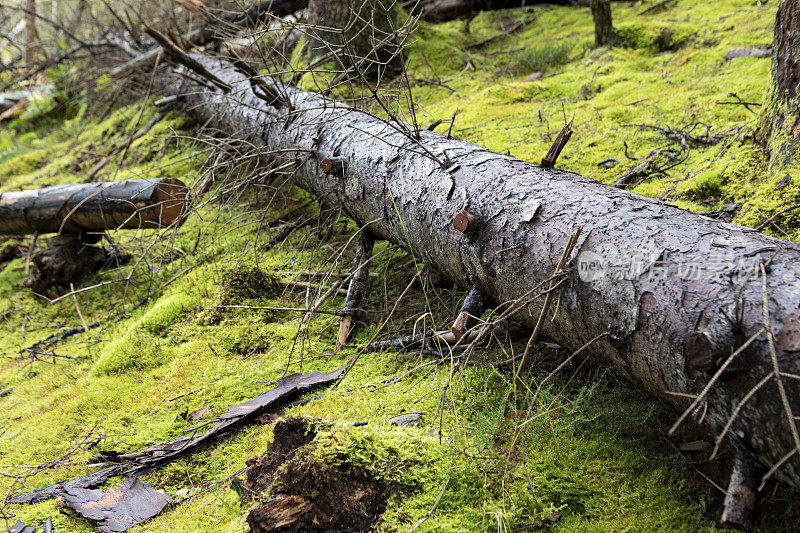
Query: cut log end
[[171, 196], [464, 321], [741, 497]]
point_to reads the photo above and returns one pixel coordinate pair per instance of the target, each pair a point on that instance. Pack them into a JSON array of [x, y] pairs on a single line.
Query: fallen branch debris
[[118, 508], [287, 389]]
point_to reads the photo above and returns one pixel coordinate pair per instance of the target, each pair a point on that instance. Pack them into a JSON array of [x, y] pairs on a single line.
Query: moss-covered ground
[[595, 456]]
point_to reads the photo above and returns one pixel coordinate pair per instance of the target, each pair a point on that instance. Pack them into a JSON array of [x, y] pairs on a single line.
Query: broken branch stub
[[333, 166], [358, 290], [549, 160], [742, 494], [464, 222], [471, 311], [93, 207]]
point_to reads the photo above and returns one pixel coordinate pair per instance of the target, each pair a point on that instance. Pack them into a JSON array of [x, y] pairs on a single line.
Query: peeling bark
[[644, 280]]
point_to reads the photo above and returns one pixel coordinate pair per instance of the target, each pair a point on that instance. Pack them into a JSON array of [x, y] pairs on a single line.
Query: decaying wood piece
[[118, 508], [286, 390], [93, 207], [652, 275], [427, 340], [66, 260], [742, 494], [358, 290]]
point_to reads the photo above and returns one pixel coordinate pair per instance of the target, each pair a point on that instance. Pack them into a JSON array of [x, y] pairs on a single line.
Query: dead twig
[[523, 365], [768, 221], [514, 27], [125, 145], [184, 59]]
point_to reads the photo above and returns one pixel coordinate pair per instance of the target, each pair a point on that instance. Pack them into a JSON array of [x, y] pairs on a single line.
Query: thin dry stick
[[556, 371], [334, 288], [713, 380], [313, 286], [736, 412], [435, 505], [545, 307], [270, 308], [775, 467], [77, 307], [775, 368], [380, 328], [124, 146]]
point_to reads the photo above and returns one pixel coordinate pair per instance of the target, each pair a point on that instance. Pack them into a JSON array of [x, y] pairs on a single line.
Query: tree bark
[[361, 35], [147, 203], [31, 35], [663, 295], [780, 122], [604, 34]]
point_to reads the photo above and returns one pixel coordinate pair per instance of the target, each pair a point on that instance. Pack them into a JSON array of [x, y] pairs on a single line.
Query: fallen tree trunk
[[443, 10], [671, 299], [147, 203]]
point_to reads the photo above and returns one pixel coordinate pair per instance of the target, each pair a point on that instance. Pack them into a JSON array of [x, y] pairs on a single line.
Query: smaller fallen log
[[93, 207]]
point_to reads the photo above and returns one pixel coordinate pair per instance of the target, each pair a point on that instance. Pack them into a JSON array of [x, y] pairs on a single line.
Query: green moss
[[541, 58], [245, 283], [594, 449], [134, 351], [704, 185], [655, 38], [166, 312]]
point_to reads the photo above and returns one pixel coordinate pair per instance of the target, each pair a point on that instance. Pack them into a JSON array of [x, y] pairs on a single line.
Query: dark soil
[[306, 494]]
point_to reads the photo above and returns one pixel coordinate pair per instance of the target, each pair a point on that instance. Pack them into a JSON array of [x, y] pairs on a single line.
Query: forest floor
[[166, 357]]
